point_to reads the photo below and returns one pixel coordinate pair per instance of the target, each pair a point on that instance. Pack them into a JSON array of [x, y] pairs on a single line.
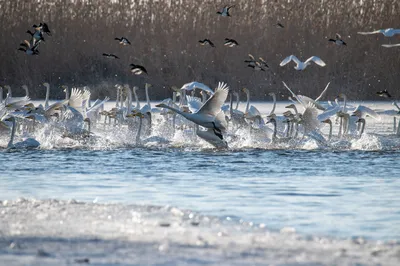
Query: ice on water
[[55, 232]]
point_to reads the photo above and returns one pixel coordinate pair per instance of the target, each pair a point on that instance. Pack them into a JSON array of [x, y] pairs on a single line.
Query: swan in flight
[[197, 85], [302, 65], [210, 114], [390, 32], [28, 143], [391, 45]]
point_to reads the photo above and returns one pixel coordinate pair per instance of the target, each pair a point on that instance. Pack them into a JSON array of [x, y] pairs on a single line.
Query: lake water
[[317, 191]]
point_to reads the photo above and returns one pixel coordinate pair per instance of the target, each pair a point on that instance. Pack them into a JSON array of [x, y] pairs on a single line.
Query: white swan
[[28, 143], [251, 112], [210, 114], [196, 85], [302, 65], [390, 32]]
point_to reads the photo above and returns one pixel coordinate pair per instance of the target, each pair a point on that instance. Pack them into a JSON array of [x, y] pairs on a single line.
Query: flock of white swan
[[212, 117]]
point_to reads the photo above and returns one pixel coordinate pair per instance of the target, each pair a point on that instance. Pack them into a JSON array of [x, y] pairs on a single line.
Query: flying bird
[[225, 11], [391, 45], [123, 41], [110, 56], [43, 27], [137, 69], [302, 65], [206, 42], [230, 42], [338, 40], [29, 48], [384, 94], [390, 32], [279, 25], [263, 62]]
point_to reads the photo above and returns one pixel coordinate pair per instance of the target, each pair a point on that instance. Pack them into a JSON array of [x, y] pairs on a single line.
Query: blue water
[[328, 193]]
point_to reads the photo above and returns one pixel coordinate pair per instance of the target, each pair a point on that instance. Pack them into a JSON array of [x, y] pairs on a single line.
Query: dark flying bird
[[43, 28], [110, 56], [206, 42], [225, 11], [252, 60], [29, 48], [384, 94], [338, 40], [123, 41], [36, 36], [230, 42], [137, 69], [256, 66], [279, 25], [263, 62]]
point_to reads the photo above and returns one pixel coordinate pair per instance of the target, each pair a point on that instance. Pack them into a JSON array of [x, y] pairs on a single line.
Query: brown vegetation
[[165, 34]]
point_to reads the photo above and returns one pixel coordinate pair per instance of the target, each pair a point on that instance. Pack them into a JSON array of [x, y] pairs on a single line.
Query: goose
[[338, 40], [29, 48], [137, 69], [225, 11], [28, 143], [112, 56], [390, 32], [123, 41], [230, 42], [391, 45], [302, 65], [206, 42], [210, 114], [384, 94]]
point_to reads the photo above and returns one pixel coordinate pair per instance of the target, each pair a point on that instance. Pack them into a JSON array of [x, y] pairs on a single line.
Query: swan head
[[356, 113], [9, 119], [291, 106], [64, 87], [46, 84], [327, 121], [162, 105], [29, 106], [341, 95], [245, 90], [147, 85], [360, 120], [7, 87]]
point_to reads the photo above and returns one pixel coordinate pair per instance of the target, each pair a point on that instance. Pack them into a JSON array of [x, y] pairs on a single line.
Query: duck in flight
[[206, 42], [43, 27], [338, 40], [384, 94], [302, 65], [113, 56], [123, 41], [29, 48], [225, 11], [230, 42], [137, 69], [279, 25], [390, 32]]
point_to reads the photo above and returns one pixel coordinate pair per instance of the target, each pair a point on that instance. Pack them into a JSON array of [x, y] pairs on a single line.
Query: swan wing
[[366, 111], [194, 103], [391, 45], [316, 60], [193, 85], [328, 113], [323, 92], [220, 121], [213, 105], [85, 98], [369, 32], [294, 95], [310, 118], [75, 100], [307, 100], [288, 59], [97, 107]]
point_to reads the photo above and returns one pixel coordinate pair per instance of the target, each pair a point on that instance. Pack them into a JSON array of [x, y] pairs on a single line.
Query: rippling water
[[330, 193]]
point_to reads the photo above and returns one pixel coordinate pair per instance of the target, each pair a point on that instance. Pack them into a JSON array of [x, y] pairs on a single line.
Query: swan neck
[[147, 95], [1, 94], [66, 94], [274, 104], [237, 100], [231, 105], [136, 99], [362, 127], [46, 102], [248, 101], [26, 91], [10, 143], [117, 100], [330, 131]]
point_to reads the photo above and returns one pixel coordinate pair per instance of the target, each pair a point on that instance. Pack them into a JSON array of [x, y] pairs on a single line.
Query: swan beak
[[159, 105]]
